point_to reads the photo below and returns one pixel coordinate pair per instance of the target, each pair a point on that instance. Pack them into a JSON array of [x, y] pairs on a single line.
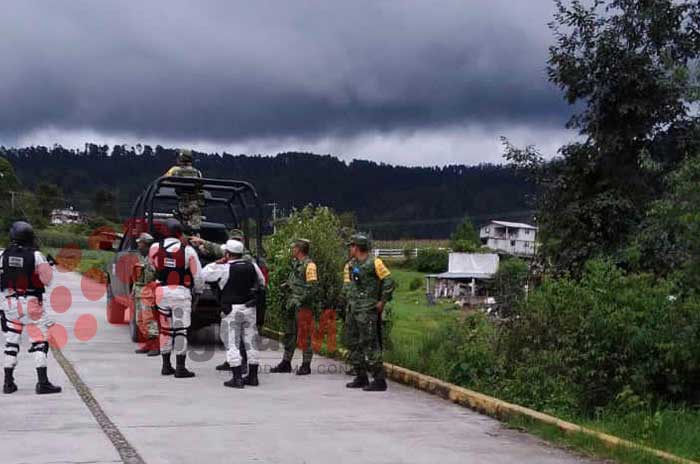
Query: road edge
[[499, 409]]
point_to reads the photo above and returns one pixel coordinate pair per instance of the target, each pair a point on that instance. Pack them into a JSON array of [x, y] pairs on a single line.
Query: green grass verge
[[676, 431]]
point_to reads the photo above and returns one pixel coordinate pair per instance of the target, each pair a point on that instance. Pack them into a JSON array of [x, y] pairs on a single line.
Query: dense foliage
[[629, 67], [322, 227], [432, 260], [389, 201], [465, 238]]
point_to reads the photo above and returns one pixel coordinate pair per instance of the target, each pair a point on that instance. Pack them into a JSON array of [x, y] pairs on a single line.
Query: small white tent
[[462, 276]]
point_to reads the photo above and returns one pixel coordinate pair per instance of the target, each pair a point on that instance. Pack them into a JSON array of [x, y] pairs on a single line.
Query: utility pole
[[274, 216], [12, 200]]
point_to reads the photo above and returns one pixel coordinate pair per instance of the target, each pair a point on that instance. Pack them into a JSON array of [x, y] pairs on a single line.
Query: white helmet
[[234, 247]]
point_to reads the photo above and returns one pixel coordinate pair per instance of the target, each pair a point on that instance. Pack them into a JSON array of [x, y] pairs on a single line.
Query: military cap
[[303, 244], [360, 240], [235, 234]]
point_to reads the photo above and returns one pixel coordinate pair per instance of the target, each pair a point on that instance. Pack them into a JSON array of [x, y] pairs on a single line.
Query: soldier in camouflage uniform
[[369, 287], [214, 251], [191, 200], [301, 288], [143, 296]]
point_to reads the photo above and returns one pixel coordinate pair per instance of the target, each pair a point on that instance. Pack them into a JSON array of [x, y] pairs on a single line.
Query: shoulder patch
[[311, 274], [381, 269], [346, 273]]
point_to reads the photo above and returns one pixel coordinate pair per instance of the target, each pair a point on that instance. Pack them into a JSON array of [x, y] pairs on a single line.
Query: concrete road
[[128, 412]]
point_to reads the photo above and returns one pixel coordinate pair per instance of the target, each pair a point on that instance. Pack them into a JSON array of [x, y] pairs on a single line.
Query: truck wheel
[[115, 311]]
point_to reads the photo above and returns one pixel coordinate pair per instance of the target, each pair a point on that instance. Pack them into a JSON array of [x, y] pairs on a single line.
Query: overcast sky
[[402, 81]]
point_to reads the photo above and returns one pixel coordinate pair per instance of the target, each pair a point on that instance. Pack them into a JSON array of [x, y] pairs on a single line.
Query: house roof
[[470, 266], [461, 275], [518, 225]]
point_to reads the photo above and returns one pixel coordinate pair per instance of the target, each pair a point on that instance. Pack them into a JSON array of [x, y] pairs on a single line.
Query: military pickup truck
[[227, 204]]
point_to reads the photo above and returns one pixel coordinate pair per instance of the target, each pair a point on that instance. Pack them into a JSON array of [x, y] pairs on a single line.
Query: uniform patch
[[15, 261], [346, 274], [311, 274], [381, 270], [169, 262]]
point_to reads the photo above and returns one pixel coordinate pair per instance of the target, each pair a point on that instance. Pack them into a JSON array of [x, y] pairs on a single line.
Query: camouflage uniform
[[366, 283], [143, 294], [301, 287], [190, 201]]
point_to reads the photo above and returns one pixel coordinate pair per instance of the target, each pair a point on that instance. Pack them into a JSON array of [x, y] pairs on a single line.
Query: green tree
[[465, 238], [321, 226], [627, 66], [509, 284], [50, 197], [105, 204]]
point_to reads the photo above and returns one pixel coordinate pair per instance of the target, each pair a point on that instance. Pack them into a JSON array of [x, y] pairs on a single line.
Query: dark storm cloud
[[225, 70]]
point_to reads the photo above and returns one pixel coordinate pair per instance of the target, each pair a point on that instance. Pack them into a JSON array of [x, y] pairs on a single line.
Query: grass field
[[673, 430], [86, 261]]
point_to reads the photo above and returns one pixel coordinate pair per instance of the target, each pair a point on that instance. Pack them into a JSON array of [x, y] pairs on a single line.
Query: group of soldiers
[[168, 276]]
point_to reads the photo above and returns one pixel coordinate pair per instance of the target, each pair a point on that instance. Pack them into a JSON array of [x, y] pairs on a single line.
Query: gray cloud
[[225, 72]]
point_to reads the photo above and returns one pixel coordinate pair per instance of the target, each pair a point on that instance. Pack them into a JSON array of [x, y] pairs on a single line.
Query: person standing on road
[[178, 272], [369, 288], [25, 276], [144, 298], [300, 288], [191, 199], [215, 251], [239, 280]]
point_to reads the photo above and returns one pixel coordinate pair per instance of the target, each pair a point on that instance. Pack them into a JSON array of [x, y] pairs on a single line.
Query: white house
[[510, 237], [66, 216], [464, 279]]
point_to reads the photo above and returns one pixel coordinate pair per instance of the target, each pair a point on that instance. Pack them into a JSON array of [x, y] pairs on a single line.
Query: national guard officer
[[178, 272], [190, 200], [215, 251], [369, 287], [25, 275], [239, 280], [301, 288], [144, 298]]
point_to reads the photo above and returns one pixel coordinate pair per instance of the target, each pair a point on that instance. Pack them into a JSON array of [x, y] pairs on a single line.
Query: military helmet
[[145, 237], [22, 233], [173, 228], [361, 240], [303, 244], [184, 155], [236, 234]]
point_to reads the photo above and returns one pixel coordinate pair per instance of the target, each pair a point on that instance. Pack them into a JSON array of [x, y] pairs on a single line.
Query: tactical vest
[[172, 267], [184, 171], [240, 286], [19, 272], [364, 282]]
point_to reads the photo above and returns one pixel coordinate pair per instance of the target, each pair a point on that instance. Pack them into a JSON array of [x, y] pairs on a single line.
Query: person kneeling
[[238, 279]]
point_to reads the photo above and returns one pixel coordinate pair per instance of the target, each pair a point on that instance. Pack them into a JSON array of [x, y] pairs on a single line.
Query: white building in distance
[[513, 238], [66, 216]]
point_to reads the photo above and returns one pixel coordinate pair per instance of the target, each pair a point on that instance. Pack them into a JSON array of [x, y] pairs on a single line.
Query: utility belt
[[252, 302]]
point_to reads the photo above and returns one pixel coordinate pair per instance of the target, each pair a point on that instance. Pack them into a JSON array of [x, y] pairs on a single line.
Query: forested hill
[[393, 201]]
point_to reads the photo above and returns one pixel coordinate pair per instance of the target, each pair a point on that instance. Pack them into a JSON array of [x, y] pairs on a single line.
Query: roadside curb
[[499, 409]]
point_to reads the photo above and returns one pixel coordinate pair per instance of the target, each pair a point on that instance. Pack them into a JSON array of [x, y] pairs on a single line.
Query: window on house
[[512, 243]]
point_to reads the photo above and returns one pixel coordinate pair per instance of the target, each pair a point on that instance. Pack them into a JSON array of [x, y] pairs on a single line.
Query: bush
[[415, 284], [509, 284], [432, 260], [321, 226], [605, 334]]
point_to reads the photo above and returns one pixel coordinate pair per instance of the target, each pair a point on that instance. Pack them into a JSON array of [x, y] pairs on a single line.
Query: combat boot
[[9, 386], [304, 369], [167, 368], [43, 386], [360, 381], [181, 371], [224, 366], [284, 367], [252, 377], [237, 379], [377, 385], [143, 350]]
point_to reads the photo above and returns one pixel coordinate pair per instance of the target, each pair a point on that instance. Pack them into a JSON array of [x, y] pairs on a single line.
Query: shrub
[[416, 283], [432, 260]]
